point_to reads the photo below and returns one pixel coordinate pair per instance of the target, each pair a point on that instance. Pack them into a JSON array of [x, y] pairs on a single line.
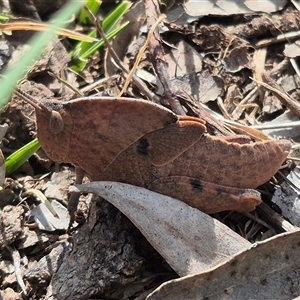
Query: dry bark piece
[[105, 249], [11, 224], [287, 197]]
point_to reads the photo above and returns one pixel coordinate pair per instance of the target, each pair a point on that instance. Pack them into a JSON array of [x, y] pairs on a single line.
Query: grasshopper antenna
[[26, 97]]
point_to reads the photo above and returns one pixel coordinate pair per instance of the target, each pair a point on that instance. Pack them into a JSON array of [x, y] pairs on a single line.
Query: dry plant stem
[[255, 218], [296, 4], [66, 84], [278, 70], [275, 219], [37, 26], [140, 54], [223, 109], [97, 84], [158, 60], [42, 198], [276, 126], [137, 81], [16, 260], [214, 126], [280, 38], [273, 86], [239, 110]]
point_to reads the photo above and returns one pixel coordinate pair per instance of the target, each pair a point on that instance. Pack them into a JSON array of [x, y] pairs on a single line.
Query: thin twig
[[158, 60], [280, 125], [137, 81], [250, 97], [295, 66], [280, 38], [140, 54], [273, 86], [275, 219]]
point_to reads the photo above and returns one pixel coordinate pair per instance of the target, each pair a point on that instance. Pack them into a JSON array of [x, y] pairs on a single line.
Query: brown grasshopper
[[141, 143]]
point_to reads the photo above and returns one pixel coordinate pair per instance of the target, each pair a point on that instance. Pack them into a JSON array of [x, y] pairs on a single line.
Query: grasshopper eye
[[56, 122]]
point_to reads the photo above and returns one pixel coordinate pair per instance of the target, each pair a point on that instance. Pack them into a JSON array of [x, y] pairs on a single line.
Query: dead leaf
[[189, 240], [282, 127], [46, 221], [266, 270], [292, 50], [237, 59], [183, 60], [211, 86], [57, 186], [230, 7], [184, 64]]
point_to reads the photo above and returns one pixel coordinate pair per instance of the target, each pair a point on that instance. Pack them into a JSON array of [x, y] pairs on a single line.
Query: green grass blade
[[79, 62], [84, 50], [115, 16], [16, 160], [38, 42], [11, 76], [99, 44]]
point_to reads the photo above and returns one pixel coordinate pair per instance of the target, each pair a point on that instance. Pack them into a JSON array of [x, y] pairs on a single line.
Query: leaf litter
[[211, 61]]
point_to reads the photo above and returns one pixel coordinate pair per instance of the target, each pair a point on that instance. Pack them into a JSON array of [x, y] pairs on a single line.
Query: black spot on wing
[[196, 184], [142, 146]]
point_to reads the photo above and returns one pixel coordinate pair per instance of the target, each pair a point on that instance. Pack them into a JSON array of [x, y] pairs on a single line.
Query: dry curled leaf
[[189, 240], [266, 270], [229, 7]]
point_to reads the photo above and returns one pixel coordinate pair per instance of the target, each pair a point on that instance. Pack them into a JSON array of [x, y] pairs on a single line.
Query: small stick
[[280, 38], [275, 219], [273, 86], [158, 61], [140, 54], [137, 81]]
